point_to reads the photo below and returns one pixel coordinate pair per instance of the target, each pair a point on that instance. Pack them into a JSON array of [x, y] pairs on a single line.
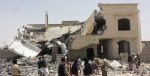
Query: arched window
[[123, 24], [123, 46]]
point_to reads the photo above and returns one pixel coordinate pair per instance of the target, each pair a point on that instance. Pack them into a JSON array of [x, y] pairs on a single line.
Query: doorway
[[90, 53], [102, 48], [123, 47]]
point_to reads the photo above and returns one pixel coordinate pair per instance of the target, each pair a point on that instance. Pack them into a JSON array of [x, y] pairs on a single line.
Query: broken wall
[[89, 24]]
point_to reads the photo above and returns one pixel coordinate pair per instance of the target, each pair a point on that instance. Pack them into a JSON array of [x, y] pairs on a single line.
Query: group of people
[[42, 67], [90, 68], [66, 68], [134, 62]]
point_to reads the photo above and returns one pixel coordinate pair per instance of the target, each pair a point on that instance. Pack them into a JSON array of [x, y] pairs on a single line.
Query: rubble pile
[[122, 68], [115, 64], [28, 67]]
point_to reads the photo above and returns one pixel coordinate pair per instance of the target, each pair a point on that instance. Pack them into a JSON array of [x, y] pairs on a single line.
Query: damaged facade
[[112, 30]]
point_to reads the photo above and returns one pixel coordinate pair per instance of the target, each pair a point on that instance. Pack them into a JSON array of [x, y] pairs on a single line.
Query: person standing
[[79, 65], [135, 64], [62, 68], [15, 68], [68, 64], [130, 61], [97, 65], [39, 66], [104, 67], [44, 68], [74, 69], [88, 70], [138, 60]]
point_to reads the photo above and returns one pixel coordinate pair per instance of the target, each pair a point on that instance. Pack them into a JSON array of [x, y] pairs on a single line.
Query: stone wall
[[145, 53]]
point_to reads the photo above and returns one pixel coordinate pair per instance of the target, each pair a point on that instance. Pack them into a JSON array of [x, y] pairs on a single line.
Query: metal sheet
[[24, 48]]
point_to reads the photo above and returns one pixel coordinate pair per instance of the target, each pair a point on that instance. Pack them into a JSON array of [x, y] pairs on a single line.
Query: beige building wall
[[112, 13], [81, 53], [114, 53]]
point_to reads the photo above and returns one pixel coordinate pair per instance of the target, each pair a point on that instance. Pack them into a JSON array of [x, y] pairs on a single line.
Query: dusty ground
[[29, 68]]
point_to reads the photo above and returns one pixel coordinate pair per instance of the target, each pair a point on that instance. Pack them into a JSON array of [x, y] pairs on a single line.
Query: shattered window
[[123, 24]]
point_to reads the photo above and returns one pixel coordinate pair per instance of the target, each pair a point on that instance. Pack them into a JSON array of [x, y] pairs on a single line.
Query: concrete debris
[[8, 54], [82, 39], [23, 47], [56, 32], [115, 64], [28, 67], [63, 47]]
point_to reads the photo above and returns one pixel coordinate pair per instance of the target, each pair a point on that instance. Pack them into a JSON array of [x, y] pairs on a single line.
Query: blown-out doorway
[[90, 53]]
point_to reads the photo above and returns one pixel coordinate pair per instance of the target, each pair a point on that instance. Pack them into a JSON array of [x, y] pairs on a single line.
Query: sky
[[16, 13]]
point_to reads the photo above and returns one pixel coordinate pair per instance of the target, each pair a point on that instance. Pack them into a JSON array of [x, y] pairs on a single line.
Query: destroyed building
[[113, 30], [109, 31]]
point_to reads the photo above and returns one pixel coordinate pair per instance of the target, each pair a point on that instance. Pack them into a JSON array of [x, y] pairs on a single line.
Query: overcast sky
[[16, 13]]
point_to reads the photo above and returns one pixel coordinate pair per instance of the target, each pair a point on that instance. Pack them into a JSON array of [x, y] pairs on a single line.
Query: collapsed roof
[[23, 47], [56, 32]]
